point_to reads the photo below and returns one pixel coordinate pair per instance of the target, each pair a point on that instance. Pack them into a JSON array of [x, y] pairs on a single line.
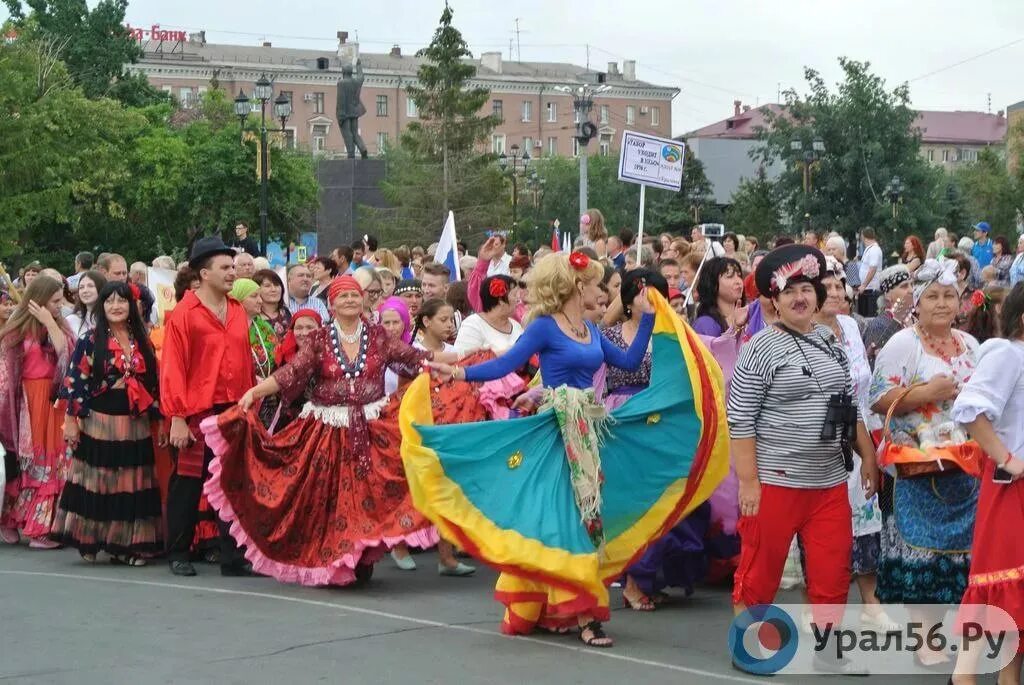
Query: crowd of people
[[857, 419]]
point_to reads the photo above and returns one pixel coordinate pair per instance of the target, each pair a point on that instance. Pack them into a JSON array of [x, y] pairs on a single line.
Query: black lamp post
[[808, 160], [263, 91], [894, 192], [518, 163]]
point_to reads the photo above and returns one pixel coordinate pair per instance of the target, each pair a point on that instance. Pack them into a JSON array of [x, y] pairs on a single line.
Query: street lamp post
[[809, 160], [511, 166], [582, 103], [263, 91], [894, 192]]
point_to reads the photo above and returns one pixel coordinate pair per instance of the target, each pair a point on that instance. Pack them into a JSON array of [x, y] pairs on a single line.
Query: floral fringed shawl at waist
[[584, 423]]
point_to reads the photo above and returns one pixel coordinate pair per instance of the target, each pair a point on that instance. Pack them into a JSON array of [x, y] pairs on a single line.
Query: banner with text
[[651, 161]]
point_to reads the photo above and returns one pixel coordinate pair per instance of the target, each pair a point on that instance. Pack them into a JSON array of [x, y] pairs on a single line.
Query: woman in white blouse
[[991, 406], [81, 320], [867, 518], [493, 329]]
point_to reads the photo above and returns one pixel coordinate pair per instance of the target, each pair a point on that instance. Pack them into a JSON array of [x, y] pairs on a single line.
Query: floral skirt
[[306, 509], [925, 552], [30, 499], [111, 501]]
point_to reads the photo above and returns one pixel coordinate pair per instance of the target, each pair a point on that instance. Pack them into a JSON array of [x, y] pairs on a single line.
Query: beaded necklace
[[351, 368]]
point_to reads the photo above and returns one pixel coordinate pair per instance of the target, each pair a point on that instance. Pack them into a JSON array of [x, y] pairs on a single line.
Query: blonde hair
[[682, 248], [596, 231], [553, 281], [389, 260]]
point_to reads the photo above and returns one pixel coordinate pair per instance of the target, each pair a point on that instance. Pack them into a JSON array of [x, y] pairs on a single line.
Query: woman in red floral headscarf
[[321, 501]]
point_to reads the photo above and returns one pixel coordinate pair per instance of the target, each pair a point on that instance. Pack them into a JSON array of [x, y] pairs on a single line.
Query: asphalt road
[[64, 621]]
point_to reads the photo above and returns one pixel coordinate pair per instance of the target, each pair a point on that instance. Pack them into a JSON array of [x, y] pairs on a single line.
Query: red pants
[[823, 520]]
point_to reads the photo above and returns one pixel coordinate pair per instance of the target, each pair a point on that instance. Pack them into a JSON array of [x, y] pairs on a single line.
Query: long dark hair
[[136, 327], [636, 280], [707, 287], [98, 280]]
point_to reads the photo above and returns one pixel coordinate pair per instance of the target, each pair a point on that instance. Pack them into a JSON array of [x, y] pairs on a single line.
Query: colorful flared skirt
[[30, 499], [111, 500], [304, 507], [502, 490]]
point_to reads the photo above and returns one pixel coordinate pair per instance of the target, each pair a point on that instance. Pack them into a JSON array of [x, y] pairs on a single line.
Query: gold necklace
[[580, 333]]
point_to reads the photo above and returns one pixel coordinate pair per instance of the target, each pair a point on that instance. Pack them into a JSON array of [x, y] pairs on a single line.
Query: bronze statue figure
[[350, 108]]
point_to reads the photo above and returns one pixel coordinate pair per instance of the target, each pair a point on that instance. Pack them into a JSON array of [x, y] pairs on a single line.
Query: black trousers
[[183, 493], [867, 304]]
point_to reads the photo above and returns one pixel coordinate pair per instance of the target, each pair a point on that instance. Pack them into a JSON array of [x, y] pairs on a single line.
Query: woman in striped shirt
[[791, 440]]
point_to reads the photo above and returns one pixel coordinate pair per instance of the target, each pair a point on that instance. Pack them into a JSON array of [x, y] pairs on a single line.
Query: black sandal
[[596, 633]]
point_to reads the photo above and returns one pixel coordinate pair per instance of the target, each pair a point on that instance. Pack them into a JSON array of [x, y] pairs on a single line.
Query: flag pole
[[640, 225]]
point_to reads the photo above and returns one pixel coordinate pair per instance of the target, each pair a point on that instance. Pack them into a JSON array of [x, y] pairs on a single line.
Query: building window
[[604, 114], [382, 105], [498, 143], [552, 112], [968, 155], [499, 109], [527, 110], [318, 103], [410, 108], [552, 146], [289, 138], [945, 155], [319, 136], [931, 155], [186, 98], [630, 114], [528, 145], [382, 142], [606, 144], [655, 116]]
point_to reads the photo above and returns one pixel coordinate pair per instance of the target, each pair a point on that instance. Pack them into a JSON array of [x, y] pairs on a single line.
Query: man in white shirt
[[870, 270], [500, 265], [300, 283]]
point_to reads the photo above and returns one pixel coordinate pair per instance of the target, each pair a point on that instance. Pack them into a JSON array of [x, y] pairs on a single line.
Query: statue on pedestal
[[350, 108]]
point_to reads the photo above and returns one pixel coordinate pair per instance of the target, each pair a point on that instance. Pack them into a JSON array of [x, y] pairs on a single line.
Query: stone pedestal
[[344, 185]]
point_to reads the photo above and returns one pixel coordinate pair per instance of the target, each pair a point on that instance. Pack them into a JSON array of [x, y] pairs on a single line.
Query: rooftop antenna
[[519, 47], [588, 56], [990, 103]]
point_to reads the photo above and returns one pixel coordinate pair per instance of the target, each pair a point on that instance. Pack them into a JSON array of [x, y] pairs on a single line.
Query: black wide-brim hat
[[208, 247], [783, 264]]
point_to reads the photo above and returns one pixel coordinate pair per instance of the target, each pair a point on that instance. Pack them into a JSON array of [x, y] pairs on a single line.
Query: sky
[[715, 52]]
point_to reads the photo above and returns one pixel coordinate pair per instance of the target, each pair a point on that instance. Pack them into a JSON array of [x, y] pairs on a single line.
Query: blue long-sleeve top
[[564, 361]]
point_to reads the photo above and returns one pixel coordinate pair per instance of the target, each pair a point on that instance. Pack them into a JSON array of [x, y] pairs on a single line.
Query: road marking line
[[396, 617]]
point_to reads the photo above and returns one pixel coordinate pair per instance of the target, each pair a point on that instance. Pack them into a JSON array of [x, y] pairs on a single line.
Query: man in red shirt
[[206, 368]]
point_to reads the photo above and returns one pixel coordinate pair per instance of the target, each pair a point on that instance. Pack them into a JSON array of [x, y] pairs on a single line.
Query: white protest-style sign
[[650, 161]]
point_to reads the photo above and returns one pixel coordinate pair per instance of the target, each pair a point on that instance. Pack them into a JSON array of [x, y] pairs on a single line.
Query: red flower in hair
[[579, 261], [498, 288], [978, 299]]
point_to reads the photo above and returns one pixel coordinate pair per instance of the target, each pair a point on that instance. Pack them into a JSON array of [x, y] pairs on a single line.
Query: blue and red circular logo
[[763, 639]]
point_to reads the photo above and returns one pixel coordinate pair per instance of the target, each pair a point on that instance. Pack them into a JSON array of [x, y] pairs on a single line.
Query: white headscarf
[[941, 271]]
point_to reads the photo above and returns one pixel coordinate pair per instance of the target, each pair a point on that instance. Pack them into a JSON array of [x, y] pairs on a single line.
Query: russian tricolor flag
[[448, 248]]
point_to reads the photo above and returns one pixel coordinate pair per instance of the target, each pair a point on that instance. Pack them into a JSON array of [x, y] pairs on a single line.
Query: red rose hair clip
[[579, 261], [979, 299], [498, 288]]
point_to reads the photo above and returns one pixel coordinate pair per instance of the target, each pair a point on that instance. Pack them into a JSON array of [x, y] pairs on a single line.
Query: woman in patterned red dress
[[320, 502]]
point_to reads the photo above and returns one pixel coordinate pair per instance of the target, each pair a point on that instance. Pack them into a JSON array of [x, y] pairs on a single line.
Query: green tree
[[93, 43], [62, 156], [989, 192], [438, 165], [754, 209], [869, 138]]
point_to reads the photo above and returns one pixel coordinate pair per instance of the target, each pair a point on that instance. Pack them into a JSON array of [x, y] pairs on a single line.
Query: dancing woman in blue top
[[571, 350], [562, 502]]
